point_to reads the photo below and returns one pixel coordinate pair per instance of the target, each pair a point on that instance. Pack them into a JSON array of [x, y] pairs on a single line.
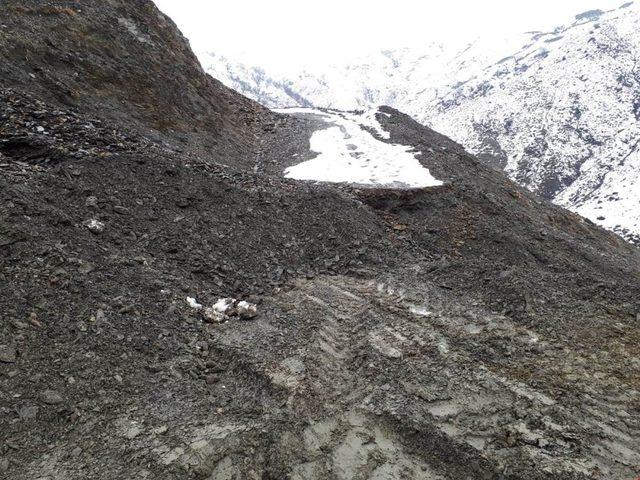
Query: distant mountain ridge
[[557, 110]]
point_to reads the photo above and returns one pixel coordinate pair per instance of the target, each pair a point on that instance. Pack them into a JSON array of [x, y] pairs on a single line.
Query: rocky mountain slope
[[75, 55], [557, 110], [462, 329], [562, 116]]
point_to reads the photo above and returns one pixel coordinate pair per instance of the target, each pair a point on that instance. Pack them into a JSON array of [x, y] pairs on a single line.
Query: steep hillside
[[557, 110], [174, 312], [127, 62], [562, 117]]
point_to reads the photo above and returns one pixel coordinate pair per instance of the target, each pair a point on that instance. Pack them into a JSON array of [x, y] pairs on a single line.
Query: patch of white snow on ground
[[223, 305], [348, 153], [193, 303]]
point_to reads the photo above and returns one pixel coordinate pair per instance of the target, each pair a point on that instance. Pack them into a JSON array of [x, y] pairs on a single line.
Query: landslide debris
[[469, 331]]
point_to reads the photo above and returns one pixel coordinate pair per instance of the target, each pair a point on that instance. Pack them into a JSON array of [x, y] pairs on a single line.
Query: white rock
[[193, 303], [94, 225], [224, 305], [211, 315], [246, 310]]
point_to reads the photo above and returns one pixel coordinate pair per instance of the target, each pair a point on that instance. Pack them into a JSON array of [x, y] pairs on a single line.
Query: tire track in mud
[[387, 382], [495, 414], [477, 408]]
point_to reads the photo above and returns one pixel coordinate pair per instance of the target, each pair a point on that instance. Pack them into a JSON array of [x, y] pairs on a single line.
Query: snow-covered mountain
[[558, 110], [561, 116], [388, 77]]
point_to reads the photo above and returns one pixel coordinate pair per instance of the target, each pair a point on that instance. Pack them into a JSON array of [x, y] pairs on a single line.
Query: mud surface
[[469, 331]]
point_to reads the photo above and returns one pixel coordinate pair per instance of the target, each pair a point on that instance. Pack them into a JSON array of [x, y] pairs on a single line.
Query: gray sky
[[277, 32]]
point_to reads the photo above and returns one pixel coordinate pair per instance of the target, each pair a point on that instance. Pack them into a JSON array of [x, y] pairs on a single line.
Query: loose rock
[[51, 397], [94, 225], [8, 354], [246, 310], [28, 412]]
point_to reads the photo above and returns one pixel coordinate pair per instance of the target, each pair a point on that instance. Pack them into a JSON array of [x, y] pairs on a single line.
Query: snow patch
[[223, 305], [348, 153], [225, 308], [193, 303], [246, 310], [420, 311]]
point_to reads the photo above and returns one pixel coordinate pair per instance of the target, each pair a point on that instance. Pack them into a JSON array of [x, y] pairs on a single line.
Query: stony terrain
[[465, 331], [118, 60]]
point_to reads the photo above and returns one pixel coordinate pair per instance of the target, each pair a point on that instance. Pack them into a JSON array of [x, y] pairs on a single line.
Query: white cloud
[[279, 32]]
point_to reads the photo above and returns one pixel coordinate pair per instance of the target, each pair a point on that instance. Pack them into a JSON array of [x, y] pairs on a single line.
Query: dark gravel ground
[[470, 331]]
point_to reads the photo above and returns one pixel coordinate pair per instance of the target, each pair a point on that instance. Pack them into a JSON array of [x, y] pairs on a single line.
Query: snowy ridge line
[[347, 152]]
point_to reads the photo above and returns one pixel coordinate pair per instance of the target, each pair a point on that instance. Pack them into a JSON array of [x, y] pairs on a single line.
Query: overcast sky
[[278, 32]]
